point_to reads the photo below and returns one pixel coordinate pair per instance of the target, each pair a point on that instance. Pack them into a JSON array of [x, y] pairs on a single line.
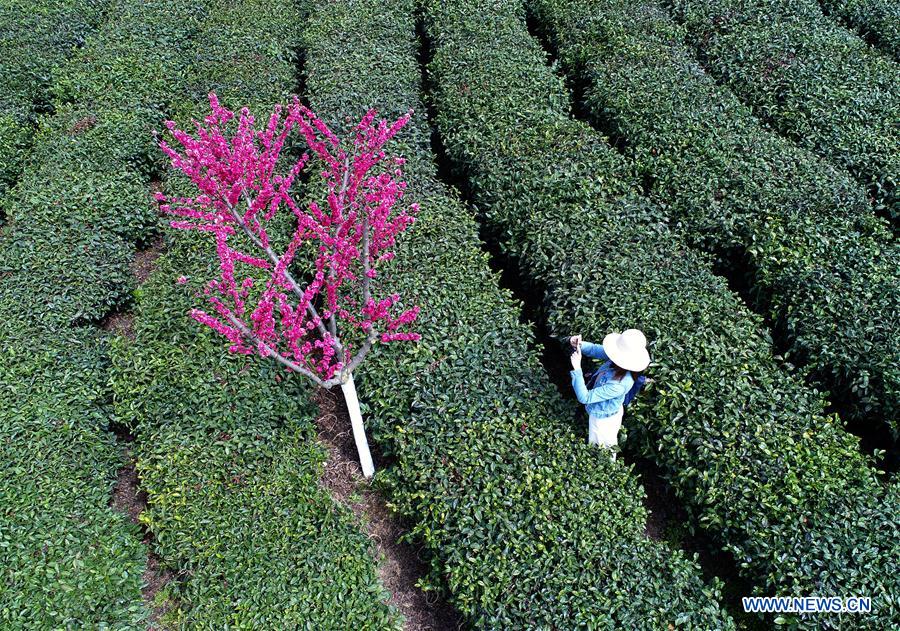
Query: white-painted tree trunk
[[359, 432]]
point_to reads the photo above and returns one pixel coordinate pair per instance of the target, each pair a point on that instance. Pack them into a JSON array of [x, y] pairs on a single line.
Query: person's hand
[[575, 341], [576, 359]]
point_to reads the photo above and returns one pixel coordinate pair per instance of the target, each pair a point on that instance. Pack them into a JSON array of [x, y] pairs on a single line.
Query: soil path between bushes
[[127, 495], [401, 563], [128, 498]]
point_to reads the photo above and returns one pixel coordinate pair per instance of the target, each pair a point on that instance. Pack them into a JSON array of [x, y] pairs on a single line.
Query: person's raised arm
[[581, 391], [609, 390], [594, 351]]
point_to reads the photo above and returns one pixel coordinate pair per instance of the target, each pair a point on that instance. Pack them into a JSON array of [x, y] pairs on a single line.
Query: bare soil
[[128, 498], [144, 260], [663, 511], [119, 323], [402, 563], [122, 322], [83, 125]]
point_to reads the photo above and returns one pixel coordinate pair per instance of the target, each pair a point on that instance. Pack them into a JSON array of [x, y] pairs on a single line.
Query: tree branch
[[274, 258], [360, 355], [365, 257], [332, 321], [294, 366]]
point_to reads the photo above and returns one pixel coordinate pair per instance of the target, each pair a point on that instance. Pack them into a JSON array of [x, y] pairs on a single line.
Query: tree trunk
[[359, 432]]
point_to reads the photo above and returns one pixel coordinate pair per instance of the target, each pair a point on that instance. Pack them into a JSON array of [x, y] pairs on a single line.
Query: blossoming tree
[[303, 297]]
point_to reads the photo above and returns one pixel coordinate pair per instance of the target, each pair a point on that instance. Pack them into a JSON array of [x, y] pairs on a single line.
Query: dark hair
[[619, 372]]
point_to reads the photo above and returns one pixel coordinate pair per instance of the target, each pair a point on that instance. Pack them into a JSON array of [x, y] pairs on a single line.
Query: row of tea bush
[[527, 525], [796, 231], [226, 445], [743, 442], [37, 37], [68, 559], [878, 21], [812, 80]]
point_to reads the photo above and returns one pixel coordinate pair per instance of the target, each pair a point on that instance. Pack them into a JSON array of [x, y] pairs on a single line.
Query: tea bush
[[67, 560], [70, 560], [225, 450], [35, 36], [743, 442], [528, 526], [83, 202], [818, 264], [878, 21], [228, 458], [813, 81]]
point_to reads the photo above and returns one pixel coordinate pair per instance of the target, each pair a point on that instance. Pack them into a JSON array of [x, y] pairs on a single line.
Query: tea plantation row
[[35, 37], [819, 265], [528, 526], [813, 81], [82, 205], [227, 454], [878, 21], [743, 442], [68, 559]]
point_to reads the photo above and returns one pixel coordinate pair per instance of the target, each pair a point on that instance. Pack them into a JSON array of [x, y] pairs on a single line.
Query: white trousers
[[605, 431]]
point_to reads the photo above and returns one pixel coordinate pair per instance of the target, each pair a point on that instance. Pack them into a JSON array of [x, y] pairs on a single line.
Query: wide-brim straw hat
[[627, 350]]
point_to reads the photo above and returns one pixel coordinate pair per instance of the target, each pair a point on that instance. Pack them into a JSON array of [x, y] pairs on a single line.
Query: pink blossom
[[400, 337], [241, 185]]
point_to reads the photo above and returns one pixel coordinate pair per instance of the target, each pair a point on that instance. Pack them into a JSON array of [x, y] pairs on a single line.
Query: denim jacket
[[607, 395]]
